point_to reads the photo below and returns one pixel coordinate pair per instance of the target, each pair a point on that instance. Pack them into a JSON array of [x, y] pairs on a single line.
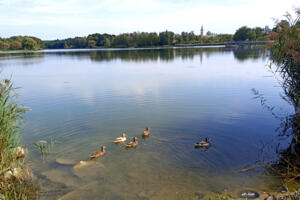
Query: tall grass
[[11, 114]]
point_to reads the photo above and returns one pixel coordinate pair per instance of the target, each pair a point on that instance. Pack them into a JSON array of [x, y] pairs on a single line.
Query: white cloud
[[78, 17]]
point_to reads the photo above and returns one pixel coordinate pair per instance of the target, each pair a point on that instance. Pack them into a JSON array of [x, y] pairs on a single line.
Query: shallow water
[[83, 99]]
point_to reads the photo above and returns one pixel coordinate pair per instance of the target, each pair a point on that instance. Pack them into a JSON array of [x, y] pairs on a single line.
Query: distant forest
[[21, 43], [135, 39]]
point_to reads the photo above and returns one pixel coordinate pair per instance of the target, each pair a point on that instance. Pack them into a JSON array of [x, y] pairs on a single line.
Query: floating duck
[[121, 139], [133, 143], [146, 132], [203, 144], [98, 153]]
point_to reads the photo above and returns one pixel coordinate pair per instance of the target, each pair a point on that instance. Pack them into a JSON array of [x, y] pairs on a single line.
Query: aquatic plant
[[44, 147]]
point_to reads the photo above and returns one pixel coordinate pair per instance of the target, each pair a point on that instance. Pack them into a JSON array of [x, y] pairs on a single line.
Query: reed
[[11, 115]]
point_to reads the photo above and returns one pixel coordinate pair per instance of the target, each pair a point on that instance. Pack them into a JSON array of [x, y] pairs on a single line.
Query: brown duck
[[146, 132], [98, 154], [133, 143]]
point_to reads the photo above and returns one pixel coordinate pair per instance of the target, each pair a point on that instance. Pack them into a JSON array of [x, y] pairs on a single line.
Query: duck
[[203, 144], [98, 154], [146, 132], [133, 143], [121, 139]]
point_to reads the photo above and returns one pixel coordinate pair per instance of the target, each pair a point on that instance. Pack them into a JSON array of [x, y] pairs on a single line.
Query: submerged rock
[[89, 169], [64, 161], [59, 176], [92, 190], [42, 142], [248, 194]]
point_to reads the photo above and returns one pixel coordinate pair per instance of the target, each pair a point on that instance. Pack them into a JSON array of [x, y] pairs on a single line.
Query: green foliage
[[297, 193], [166, 38], [92, 43], [16, 45], [285, 57], [286, 54], [241, 34], [29, 44], [244, 33], [222, 196], [21, 43], [44, 147], [20, 191], [4, 45], [124, 40], [136, 39], [10, 115]]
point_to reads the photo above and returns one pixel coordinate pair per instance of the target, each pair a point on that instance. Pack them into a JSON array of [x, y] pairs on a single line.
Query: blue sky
[[52, 19]]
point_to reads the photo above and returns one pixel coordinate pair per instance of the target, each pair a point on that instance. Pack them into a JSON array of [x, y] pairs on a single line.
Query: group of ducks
[[121, 140], [201, 144]]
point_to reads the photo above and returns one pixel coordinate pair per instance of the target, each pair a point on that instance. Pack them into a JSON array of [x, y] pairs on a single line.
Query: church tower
[[201, 31]]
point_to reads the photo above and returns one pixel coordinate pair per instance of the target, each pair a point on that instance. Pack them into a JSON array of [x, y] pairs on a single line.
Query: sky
[[57, 19]]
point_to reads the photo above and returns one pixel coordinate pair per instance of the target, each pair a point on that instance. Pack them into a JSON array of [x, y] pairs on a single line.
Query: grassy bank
[[16, 181]]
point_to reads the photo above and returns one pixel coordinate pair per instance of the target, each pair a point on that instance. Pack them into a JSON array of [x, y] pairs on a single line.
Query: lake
[[82, 99]]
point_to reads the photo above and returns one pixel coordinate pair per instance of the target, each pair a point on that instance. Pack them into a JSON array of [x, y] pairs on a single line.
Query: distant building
[[201, 31]]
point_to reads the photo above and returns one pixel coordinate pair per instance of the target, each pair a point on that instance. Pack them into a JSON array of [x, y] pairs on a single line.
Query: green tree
[[241, 34], [92, 43], [251, 35], [259, 33], [29, 44], [107, 42], [4, 45], [15, 45], [166, 38]]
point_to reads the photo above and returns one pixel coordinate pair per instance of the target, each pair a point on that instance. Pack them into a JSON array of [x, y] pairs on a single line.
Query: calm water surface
[[86, 98]]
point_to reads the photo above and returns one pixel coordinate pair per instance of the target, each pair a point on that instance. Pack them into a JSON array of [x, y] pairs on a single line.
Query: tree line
[[21, 43], [135, 39]]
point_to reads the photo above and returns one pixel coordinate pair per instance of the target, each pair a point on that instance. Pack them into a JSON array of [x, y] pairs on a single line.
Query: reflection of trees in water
[[167, 54], [250, 53], [143, 55], [25, 58]]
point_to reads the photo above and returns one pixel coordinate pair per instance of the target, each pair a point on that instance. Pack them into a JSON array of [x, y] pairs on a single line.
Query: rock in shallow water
[[64, 161], [89, 169], [93, 190], [59, 176]]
